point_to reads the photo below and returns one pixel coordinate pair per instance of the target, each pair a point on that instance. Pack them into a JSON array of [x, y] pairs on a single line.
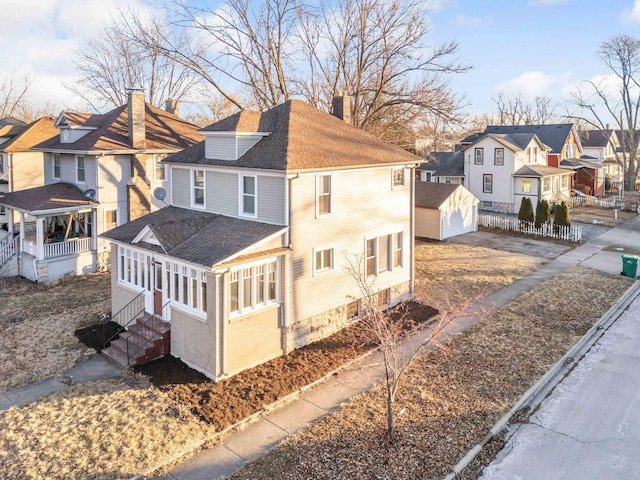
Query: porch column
[[40, 238], [94, 230], [10, 221], [22, 230]]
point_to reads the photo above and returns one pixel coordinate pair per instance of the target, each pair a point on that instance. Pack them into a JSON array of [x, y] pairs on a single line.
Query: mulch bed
[[94, 335]]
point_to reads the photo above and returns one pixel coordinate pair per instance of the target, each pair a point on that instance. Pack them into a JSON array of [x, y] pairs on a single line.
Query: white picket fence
[[512, 224]]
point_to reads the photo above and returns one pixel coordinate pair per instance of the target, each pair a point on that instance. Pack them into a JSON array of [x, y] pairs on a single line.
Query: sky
[[532, 47]]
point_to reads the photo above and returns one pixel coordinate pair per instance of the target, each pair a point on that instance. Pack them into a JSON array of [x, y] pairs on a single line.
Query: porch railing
[[68, 247], [124, 317], [7, 249]]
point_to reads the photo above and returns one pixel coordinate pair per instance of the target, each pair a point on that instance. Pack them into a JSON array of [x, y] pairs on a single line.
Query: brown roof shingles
[[50, 197], [34, 133], [301, 137], [193, 236], [432, 195], [163, 130]]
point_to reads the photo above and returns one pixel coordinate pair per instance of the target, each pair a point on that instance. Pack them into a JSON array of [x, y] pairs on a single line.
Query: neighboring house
[[99, 172], [502, 169], [443, 167], [273, 220], [20, 167], [601, 146], [444, 210]]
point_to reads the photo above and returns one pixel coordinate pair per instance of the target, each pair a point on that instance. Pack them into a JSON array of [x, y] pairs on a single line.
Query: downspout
[[286, 311], [412, 233]]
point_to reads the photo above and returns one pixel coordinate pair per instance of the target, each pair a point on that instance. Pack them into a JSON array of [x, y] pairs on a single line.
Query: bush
[[526, 210], [561, 217], [543, 213]]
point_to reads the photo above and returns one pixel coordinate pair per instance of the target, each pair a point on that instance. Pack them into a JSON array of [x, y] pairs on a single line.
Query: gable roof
[[31, 135], [553, 135], [433, 195], [445, 164], [56, 196], [595, 138], [539, 171], [194, 236], [301, 137], [10, 127], [110, 132]]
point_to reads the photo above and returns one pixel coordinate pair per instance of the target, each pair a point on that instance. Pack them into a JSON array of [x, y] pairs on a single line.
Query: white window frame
[[194, 188], [393, 248], [478, 156], [397, 177], [319, 194], [326, 251], [373, 257], [159, 166], [495, 156], [485, 177], [242, 195], [84, 169], [384, 260], [564, 183], [106, 212], [398, 248], [55, 158], [528, 183], [251, 271], [546, 185]]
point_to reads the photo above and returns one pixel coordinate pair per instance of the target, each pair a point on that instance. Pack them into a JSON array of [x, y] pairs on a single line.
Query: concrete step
[[116, 356]]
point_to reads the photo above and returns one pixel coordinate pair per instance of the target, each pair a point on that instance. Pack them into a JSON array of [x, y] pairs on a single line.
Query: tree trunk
[[389, 413]]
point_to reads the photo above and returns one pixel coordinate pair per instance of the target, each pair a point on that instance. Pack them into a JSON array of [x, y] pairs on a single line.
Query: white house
[[501, 169], [270, 217], [444, 210]]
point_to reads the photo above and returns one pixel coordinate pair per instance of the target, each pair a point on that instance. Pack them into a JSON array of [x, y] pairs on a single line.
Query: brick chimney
[[341, 107], [172, 106], [135, 109]]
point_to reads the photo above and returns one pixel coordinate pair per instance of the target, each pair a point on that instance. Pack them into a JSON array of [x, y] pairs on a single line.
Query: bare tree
[[114, 61], [13, 95], [399, 338], [596, 101], [517, 110]]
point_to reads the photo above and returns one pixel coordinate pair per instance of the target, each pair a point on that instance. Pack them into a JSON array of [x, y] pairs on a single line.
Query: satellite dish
[[160, 194], [90, 194]]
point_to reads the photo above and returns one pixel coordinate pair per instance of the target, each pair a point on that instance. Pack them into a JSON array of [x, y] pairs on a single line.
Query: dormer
[[72, 126], [232, 137]]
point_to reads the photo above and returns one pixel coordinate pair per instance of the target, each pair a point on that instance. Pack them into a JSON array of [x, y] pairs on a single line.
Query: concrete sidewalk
[[258, 438]]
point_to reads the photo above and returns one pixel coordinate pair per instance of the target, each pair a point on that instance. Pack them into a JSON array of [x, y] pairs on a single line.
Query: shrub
[[526, 210], [561, 217], [543, 213]]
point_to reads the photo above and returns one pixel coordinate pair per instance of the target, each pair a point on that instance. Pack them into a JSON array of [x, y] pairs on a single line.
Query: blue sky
[[533, 47]]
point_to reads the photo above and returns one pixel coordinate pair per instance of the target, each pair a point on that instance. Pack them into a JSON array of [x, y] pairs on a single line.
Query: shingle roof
[[432, 195], [445, 164], [32, 134], [301, 138], [10, 127], [539, 171], [595, 138], [197, 237], [163, 130], [554, 135], [50, 197], [581, 162]]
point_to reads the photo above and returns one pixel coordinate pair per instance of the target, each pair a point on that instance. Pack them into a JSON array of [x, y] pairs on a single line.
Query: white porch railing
[[7, 249], [512, 224], [68, 247]]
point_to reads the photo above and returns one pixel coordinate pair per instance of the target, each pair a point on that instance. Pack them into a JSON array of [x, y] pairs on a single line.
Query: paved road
[[589, 427]]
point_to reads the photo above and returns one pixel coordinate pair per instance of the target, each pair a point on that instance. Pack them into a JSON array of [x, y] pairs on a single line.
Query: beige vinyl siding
[[220, 148], [221, 192], [28, 170], [181, 187], [363, 206], [271, 200]]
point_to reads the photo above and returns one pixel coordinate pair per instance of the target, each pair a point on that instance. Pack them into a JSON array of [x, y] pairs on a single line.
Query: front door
[[157, 288]]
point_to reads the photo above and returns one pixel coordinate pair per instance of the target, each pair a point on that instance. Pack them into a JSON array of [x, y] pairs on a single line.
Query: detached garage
[[444, 210]]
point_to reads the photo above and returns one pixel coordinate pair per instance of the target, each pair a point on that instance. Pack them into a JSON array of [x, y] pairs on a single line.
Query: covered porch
[[54, 229]]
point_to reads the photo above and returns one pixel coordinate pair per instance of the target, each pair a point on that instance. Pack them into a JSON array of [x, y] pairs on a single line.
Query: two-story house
[[601, 146], [443, 167], [99, 172], [21, 167], [274, 218], [502, 169]]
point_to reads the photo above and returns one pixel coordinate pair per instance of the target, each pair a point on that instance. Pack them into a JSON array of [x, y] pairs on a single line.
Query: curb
[[533, 397]]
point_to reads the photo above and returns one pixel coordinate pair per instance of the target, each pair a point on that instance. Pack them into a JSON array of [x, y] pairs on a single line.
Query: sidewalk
[[258, 438]]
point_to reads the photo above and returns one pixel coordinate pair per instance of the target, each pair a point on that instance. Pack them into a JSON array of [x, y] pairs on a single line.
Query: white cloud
[[535, 83], [540, 3], [466, 21], [440, 5], [631, 15]]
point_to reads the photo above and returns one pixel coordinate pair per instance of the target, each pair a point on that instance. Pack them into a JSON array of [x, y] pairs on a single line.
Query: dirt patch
[[94, 336], [225, 402], [37, 322], [600, 216], [451, 398]]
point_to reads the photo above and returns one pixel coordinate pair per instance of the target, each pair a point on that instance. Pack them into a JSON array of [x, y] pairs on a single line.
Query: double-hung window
[[56, 166], [160, 172], [397, 250], [80, 169], [526, 186], [248, 195], [197, 187], [371, 257], [398, 177], [479, 156], [323, 260], [384, 253], [487, 183], [324, 194], [110, 219], [253, 287], [498, 156]]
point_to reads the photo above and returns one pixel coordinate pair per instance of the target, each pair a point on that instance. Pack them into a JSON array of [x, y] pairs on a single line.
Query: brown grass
[[101, 430], [603, 216], [451, 398], [37, 322]]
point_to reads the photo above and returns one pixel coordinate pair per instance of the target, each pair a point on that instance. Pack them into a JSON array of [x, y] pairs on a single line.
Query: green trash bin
[[629, 265]]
